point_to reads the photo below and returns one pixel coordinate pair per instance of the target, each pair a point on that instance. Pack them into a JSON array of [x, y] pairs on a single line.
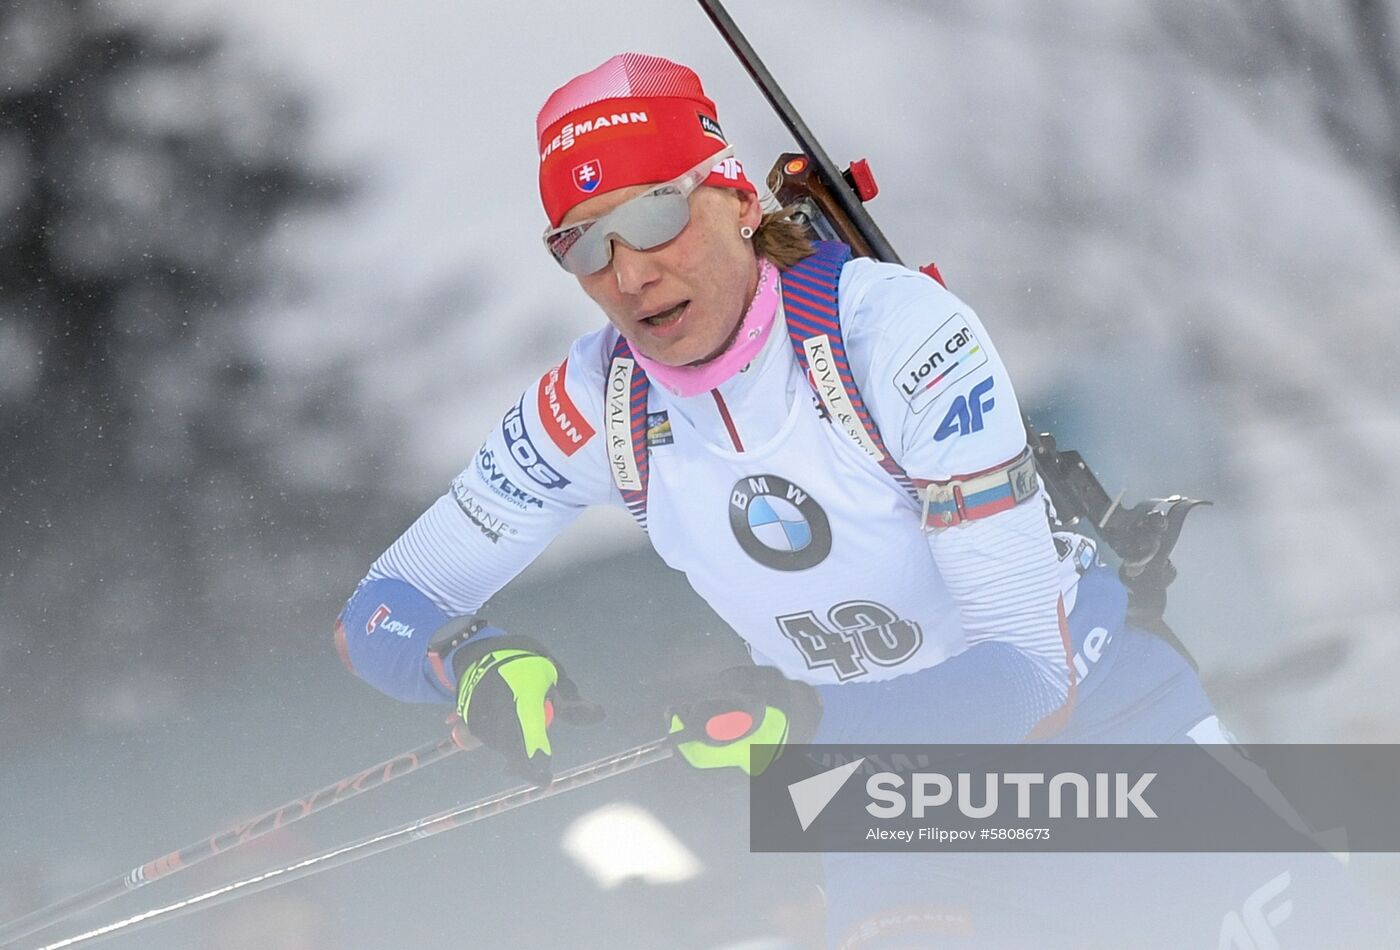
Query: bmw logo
[[778, 524]]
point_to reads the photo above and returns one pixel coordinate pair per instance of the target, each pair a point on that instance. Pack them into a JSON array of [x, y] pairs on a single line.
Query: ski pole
[[461, 816], [224, 841], [866, 228]]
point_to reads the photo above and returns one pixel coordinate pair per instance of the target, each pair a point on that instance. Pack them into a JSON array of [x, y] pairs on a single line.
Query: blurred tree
[[140, 175], [1344, 56]]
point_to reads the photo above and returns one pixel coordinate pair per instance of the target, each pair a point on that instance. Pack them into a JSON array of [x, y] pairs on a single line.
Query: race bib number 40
[[856, 633]]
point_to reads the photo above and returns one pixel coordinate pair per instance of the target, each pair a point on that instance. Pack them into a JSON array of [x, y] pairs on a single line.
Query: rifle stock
[[795, 181]]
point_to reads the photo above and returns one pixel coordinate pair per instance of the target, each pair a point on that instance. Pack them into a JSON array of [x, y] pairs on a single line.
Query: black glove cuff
[[471, 651], [746, 687]]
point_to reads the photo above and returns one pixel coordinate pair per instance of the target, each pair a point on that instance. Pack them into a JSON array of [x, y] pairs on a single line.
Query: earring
[[746, 232]]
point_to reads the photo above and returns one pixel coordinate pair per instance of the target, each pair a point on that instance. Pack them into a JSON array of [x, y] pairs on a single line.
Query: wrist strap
[[454, 635]]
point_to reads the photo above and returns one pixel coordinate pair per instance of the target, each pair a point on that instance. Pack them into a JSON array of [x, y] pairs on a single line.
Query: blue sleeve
[[383, 635]]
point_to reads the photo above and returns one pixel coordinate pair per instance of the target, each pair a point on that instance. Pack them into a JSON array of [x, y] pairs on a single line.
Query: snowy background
[[269, 271]]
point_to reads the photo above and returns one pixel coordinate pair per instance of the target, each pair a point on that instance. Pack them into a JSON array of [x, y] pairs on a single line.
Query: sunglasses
[[642, 223]]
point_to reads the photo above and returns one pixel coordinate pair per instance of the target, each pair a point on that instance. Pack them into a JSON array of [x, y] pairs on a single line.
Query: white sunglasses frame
[[684, 185]]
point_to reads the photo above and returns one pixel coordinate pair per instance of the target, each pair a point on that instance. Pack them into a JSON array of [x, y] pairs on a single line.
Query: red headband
[[635, 120]]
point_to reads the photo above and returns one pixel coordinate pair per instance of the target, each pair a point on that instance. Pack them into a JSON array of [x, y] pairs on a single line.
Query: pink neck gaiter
[[686, 381]]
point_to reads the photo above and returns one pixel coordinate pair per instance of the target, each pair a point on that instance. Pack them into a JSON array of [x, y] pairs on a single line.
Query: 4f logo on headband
[[730, 169], [588, 175]]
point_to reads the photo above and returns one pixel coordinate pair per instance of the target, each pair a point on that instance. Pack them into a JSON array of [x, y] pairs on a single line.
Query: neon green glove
[[508, 690], [736, 712]]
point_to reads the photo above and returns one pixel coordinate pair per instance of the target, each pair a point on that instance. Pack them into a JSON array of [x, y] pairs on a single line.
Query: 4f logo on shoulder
[[966, 413]]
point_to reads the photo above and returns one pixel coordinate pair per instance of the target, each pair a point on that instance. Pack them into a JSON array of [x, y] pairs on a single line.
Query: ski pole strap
[[979, 495], [810, 305]]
